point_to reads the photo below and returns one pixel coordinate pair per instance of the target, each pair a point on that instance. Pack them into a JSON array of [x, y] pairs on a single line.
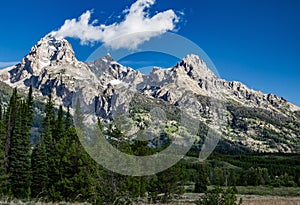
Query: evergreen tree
[[27, 116], [48, 129], [49, 120], [68, 120], [19, 156], [169, 182], [9, 121], [39, 167], [19, 151], [201, 182], [29, 110], [3, 176], [60, 125], [73, 166], [46, 137]]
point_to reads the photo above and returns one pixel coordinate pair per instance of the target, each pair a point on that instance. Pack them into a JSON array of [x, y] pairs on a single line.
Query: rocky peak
[[105, 59], [107, 69], [51, 51], [193, 59], [48, 52], [51, 66], [195, 68]]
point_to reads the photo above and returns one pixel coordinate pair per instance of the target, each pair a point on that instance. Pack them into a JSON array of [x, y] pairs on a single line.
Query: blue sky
[[256, 42]]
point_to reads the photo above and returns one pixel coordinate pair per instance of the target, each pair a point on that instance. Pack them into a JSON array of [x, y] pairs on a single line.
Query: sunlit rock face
[[103, 85]]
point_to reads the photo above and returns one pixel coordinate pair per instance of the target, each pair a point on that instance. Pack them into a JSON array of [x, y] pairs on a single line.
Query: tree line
[[55, 167]]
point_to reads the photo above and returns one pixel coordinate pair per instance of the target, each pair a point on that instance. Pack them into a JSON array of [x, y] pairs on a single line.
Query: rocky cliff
[[253, 120]]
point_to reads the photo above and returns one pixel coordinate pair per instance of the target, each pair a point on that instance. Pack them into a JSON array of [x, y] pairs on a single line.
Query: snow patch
[[115, 82]]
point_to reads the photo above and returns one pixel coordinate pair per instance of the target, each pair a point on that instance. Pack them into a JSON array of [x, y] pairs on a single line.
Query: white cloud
[[7, 64], [137, 27]]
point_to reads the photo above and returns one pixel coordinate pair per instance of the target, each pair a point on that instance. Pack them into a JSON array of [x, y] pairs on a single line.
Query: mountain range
[[251, 120]]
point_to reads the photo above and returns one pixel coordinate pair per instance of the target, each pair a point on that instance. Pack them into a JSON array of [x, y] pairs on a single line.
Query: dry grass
[[19, 202], [270, 200]]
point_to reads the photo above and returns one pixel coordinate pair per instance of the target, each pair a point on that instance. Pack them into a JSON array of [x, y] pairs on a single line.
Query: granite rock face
[[107, 87]]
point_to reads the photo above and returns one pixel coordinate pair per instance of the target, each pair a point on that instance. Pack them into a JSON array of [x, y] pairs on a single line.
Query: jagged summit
[[55, 57], [108, 57], [196, 67], [51, 50], [193, 60], [103, 61], [107, 69], [51, 66]]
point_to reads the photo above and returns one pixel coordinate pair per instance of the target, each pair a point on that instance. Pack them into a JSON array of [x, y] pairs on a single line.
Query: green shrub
[[218, 196]]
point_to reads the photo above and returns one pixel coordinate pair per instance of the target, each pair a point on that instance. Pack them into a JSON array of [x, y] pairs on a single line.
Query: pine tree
[[39, 167], [69, 175], [201, 181], [49, 120], [29, 107], [18, 121], [68, 120], [59, 125], [73, 166], [48, 127], [9, 121], [3, 176], [27, 118], [19, 156], [169, 182]]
